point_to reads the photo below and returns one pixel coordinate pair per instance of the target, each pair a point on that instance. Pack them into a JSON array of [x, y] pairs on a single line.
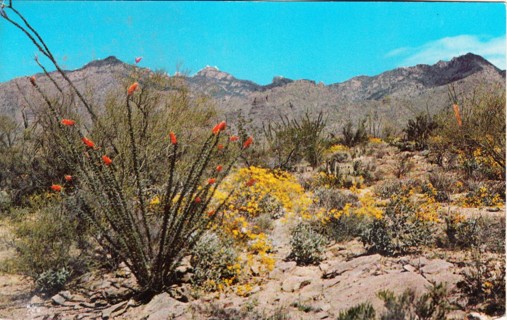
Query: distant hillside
[[394, 95]]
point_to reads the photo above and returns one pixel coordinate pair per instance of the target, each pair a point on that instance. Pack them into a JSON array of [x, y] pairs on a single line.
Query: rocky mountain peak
[[213, 73], [99, 63]]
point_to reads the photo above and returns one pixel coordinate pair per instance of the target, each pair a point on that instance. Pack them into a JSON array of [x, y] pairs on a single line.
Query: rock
[[286, 266], [162, 307], [66, 294], [78, 298], [436, 266], [409, 268], [36, 300], [276, 274], [107, 313], [322, 315], [58, 300], [324, 266], [419, 262], [311, 292], [309, 271], [255, 269], [359, 265], [352, 288], [477, 316], [294, 283], [89, 305]]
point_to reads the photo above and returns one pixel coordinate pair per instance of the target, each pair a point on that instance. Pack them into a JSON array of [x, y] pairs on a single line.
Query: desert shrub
[[266, 191], [474, 129], [487, 233], [292, 140], [307, 245], [461, 232], [480, 195], [483, 283], [399, 230], [440, 186], [346, 227], [353, 138], [418, 130], [215, 262], [51, 243], [363, 311], [52, 280], [432, 305], [403, 165], [331, 198], [388, 188]]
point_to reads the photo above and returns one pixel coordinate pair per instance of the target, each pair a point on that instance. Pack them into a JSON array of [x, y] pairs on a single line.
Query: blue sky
[[322, 41]]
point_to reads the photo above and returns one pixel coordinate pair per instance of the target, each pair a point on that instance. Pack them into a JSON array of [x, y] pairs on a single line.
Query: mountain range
[[393, 96]]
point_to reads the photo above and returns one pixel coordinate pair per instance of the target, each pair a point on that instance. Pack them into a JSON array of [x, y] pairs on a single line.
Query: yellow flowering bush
[[258, 191], [336, 148], [374, 140], [481, 197]]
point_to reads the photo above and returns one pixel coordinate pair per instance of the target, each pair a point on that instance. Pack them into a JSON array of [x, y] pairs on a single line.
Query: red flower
[[220, 147], [197, 200], [88, 142], [219, 168], [248, 142], [233, 138], [212, 180], [211, 212], [107, 160], [68, 178], [132, 88], [250, 182], [68, 122], [457, 114], [138, 59], [219, 127], [32, 80], [173, 138], [56, 188]]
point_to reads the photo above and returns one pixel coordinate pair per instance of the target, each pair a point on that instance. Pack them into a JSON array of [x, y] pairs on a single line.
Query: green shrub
[[418, 130], [331, 198], [307, 245], [213, 261], [433, 305], [483, 283], [353, 138], [292, 140], [51, 244], [479, 137], [346, 227], [52, 281], [363, 311], [398, 231], [463, 233]]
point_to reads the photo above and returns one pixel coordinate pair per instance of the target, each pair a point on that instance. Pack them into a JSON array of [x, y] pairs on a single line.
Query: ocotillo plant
[[150, 236]]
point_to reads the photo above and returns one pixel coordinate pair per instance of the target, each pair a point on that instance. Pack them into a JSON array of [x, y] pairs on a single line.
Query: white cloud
[[492, 49]]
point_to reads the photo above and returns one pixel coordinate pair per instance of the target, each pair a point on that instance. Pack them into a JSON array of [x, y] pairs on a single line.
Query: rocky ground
[[346, 277]]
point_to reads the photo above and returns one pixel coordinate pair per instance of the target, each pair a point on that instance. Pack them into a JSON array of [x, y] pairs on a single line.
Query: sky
[[322, 41]]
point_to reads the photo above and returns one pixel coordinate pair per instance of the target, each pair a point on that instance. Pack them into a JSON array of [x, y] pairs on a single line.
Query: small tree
[[353, 138], [419, 130], [292, 140]]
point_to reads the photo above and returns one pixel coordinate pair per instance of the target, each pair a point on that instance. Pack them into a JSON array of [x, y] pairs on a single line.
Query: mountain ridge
[[413, 87]]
